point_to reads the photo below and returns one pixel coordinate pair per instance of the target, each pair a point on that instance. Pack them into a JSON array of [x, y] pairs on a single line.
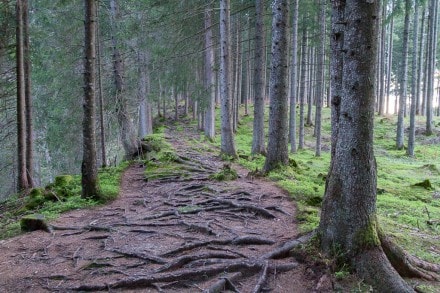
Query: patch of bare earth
[[174, 234]]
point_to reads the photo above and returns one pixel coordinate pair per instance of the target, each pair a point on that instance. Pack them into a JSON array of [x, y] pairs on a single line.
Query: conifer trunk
[[348, 219]]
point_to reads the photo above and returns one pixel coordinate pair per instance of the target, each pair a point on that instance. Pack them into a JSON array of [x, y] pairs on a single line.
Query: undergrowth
[[62, 195]]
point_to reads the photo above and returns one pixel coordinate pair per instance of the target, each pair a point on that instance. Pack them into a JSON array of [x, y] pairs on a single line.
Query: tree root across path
[[181, 233]]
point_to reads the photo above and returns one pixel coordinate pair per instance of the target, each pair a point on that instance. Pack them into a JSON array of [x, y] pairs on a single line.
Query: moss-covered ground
[[403, 208], [63, 195]]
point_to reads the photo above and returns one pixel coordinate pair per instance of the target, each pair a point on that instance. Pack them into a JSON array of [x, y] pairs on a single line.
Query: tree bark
[[258, 146], [277, 148], [293, 78], [145, 115], [100, 88], [348, 225], [227, 139], [381, 74], [420, 62], [89, 170]]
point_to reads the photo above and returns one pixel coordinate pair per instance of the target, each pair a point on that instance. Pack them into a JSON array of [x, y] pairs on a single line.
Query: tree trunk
[[403, 79], [145, 115], [302, 86], [320, 77], [277, 148], [258, 146], [100, 88], [89, 170], [311, 85], [348, 219], [209, 76], [381, 74], [227, 139], [431, 63], [22, 181], [414, 85], [28, 98], [126, 127], [390, 61], [293, 78], [420, 62]]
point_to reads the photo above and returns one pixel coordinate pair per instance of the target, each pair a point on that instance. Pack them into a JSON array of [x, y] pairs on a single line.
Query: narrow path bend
[[168, 235]]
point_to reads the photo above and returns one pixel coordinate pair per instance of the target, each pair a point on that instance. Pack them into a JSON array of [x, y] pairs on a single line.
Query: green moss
[[226, 174], [425, 184], [63, 180], [367, 237]]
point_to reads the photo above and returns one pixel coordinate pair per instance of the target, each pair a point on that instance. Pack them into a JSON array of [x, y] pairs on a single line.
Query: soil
[[178, 234]]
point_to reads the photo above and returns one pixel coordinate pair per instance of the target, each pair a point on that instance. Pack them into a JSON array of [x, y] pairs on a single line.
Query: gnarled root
[[407, 265]]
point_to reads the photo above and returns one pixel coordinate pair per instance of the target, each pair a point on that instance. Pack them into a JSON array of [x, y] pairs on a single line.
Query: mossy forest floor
[[189, 220]]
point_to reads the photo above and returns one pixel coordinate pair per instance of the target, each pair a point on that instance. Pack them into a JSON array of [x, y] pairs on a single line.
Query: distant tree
[[126, 126], [294, 78], [89, 170], [382, 57], [209, 75], [302, 85], [28, 97], [145, 111], [227, 138], [320, 76], [277, 148], [431, 57], [403, 78], [22, 181], [414, 85], [258, 146], [390, 60]]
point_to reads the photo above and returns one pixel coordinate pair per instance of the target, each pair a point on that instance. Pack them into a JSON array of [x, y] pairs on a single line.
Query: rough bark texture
[[293, 78], [227, 139], [22, 182], [89, 170], [209, 76], [348, 225], [258, 146], [403, 79], [277, 148]]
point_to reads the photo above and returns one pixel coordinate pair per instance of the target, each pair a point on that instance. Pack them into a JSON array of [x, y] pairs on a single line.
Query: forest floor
[[185, 232]]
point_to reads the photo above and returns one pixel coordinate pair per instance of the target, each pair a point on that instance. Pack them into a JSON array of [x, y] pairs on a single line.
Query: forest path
[[174, 234]]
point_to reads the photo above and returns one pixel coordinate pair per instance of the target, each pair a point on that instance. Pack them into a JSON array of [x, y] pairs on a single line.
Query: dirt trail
[[178, 234]]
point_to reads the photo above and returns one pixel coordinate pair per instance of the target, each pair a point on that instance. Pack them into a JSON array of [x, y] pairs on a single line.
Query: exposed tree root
[[224, 283], [407, 265]]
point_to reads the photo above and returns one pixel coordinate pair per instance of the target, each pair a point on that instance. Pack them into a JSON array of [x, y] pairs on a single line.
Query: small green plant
[[226, 174]]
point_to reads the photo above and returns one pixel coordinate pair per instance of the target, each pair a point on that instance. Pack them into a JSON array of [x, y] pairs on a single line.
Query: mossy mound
[[63, 180], [34, 222], [425, 184]]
